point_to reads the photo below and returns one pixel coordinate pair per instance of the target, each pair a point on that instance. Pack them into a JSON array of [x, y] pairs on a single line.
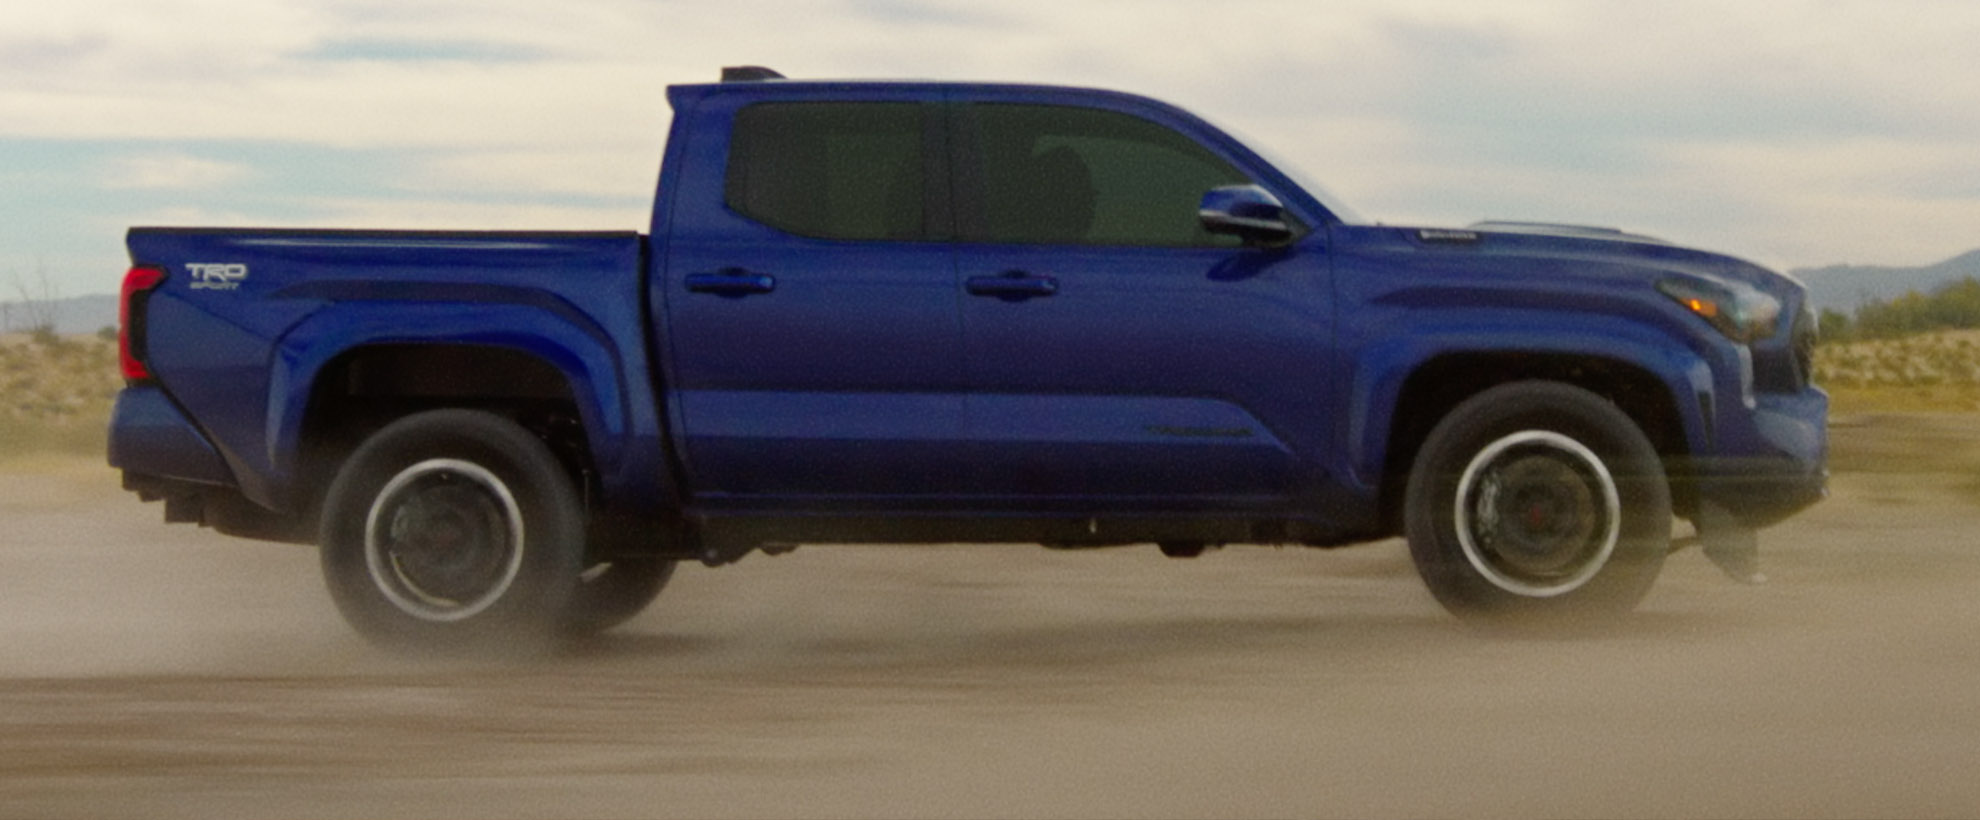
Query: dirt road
[[163, 671]]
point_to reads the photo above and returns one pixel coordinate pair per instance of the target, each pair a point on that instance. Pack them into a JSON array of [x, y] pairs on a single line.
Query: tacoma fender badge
[[1180, 431]]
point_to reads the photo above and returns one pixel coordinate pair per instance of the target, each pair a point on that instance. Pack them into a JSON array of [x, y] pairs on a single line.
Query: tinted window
[[1055, 174], [830, 170]]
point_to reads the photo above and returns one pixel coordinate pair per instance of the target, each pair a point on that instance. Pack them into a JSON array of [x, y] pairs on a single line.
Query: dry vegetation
[[1930, 372], [55, 393]]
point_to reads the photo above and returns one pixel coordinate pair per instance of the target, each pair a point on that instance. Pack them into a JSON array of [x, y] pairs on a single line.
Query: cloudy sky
[[1792, 132]]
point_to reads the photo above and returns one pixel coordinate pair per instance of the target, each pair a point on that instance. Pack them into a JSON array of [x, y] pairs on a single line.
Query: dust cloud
[[159, 671]]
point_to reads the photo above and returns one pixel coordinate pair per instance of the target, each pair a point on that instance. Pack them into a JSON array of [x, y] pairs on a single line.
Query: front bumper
[[1772, 460]]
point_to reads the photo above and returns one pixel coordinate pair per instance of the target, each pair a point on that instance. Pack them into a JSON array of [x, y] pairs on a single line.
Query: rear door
[[811, 297]]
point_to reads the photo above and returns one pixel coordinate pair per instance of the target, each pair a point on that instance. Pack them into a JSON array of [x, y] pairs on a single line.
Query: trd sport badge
[[217, 276]]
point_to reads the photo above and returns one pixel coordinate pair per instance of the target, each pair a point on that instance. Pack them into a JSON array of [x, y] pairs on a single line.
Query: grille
[[1802, 340], [1787, 365]]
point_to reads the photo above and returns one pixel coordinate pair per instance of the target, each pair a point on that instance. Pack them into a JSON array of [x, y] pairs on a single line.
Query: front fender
[[1382, 367]]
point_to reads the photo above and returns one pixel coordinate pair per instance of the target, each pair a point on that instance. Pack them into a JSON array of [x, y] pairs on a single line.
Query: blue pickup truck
[[934, 312]]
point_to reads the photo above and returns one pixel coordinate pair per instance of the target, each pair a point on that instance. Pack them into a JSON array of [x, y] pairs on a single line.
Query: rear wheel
[[453, 530], [1538, 502]]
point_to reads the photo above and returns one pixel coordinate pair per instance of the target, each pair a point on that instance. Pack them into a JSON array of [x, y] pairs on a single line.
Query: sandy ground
[[154, 671]]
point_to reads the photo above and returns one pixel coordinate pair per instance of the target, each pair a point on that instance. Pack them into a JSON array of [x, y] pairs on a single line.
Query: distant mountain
[[1845, 287], [77, 314]]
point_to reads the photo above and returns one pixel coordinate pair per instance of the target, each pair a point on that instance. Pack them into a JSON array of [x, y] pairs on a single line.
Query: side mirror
[[1245, 211]]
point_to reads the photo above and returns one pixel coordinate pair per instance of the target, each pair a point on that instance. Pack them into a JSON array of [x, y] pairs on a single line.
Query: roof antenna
[[749, 74]]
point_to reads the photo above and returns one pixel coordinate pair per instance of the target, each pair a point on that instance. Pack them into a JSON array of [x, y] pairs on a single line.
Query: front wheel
[[1538, 502], [453, 530], [612, 593]]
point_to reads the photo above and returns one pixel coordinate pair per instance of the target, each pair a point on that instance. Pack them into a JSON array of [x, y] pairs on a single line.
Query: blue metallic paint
[[1564, 295], [150, 434], [1216, 382], [245, 362]]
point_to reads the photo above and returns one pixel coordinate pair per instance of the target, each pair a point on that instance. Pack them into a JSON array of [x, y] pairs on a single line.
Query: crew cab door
[[1117, 351], [810, 295]]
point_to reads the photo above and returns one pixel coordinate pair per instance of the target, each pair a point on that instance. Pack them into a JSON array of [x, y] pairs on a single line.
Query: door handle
[[731, 282], [1012, 286]]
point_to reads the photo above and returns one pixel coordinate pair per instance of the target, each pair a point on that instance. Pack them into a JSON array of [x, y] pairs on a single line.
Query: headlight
[[1741, 311]]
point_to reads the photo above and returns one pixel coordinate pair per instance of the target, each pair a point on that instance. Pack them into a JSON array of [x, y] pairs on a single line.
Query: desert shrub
[[56, 392], [1914, 361], [1951, 306], [1930, 372]]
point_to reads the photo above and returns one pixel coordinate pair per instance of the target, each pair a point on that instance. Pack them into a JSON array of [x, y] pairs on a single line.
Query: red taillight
[[138, 285]]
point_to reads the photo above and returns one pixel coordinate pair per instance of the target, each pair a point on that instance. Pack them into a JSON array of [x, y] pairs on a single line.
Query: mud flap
[[1730, 543]]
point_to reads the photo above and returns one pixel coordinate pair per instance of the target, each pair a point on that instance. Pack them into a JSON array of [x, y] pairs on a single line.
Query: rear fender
[[583, 354]]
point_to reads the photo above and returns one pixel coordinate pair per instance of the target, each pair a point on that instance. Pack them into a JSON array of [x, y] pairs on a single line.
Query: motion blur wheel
[[1538, 502], [612, 593], [453, 530], [443, 540], [1537, 513]]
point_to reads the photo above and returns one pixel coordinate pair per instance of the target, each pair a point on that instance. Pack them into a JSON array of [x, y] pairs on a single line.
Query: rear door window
[[831, 170]]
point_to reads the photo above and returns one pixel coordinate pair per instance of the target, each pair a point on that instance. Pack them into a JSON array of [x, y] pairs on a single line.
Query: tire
[[612, 593], [1594, 508], [455, 531]]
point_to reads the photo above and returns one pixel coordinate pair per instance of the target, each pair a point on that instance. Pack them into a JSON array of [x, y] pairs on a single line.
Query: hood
[[1560, 230], [1508, 242]]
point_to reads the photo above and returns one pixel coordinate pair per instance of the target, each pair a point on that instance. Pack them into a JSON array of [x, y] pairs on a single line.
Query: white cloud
[[412, 213], [451, 214], [185, 216], [1826, 128], [621, 173], [170, 172], [1912, 202]]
